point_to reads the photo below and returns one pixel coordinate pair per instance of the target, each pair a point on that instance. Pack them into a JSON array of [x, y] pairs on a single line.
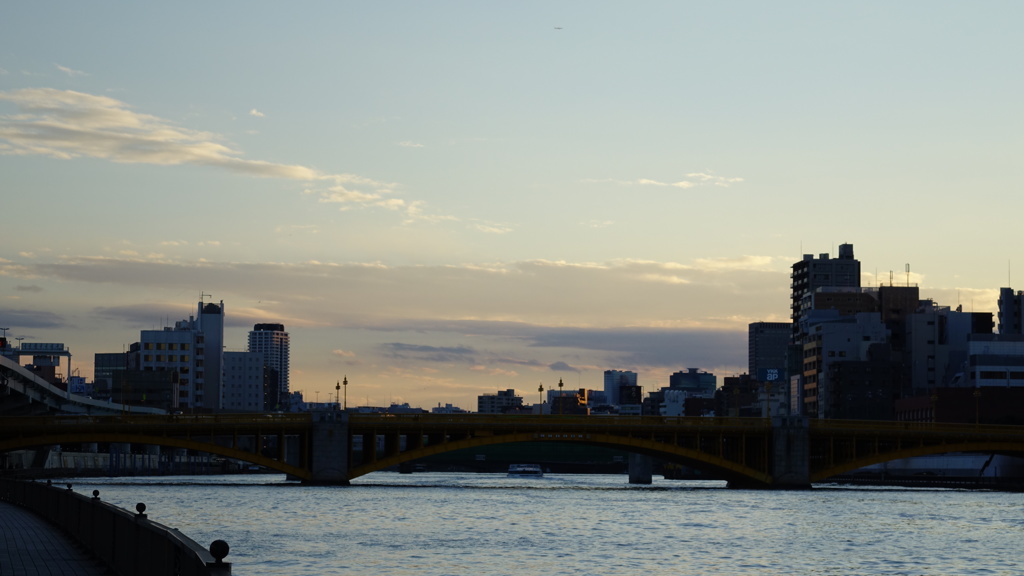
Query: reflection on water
[[488, 524]]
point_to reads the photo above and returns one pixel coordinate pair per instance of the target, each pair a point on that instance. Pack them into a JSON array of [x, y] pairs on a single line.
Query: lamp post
[[540, 399], [344, 383], [561, 403], [5, 332]]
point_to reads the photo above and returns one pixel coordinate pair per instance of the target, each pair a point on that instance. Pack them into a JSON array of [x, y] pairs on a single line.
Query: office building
[[502, 402], [243, 382]]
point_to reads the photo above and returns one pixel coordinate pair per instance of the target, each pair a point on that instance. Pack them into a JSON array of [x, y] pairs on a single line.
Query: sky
[[445, 199]]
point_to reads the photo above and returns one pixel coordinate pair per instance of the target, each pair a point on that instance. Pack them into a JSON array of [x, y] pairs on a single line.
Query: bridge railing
[[127, 543], [142, 420], [884, 426], [356, 420]]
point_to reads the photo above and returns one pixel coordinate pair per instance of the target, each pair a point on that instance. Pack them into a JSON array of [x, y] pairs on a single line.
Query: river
[[440, 524]]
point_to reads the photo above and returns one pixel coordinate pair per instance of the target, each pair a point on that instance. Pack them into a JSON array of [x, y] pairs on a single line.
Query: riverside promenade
[[45, 529], [31, 546]]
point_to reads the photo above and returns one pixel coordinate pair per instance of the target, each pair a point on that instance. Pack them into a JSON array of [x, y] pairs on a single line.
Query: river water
[[441, 524]]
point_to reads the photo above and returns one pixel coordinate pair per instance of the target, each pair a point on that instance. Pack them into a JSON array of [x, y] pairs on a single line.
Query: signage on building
[[42, 347], [771, 375]]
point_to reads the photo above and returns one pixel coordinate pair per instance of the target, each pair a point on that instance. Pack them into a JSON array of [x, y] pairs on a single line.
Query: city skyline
[[452, 199]]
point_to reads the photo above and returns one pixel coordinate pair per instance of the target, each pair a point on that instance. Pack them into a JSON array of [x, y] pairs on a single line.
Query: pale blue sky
[[443, 199]]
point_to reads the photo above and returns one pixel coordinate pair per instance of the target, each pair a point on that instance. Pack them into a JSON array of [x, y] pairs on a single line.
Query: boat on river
[[525, 471]]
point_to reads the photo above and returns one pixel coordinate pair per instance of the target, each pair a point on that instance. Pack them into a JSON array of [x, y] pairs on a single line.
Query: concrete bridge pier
[[791, 446], [120, 452], [329, 448], [640, 469]]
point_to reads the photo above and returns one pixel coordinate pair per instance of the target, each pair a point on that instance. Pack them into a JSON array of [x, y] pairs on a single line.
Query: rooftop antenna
[[203, 296], [908, 273], [890, 277]]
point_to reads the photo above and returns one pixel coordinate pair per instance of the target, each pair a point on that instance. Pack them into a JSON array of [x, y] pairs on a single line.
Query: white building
[[615, 379], [273, 343], [194, 349]]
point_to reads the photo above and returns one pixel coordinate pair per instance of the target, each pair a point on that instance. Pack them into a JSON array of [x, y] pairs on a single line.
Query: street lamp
[[540, 399]]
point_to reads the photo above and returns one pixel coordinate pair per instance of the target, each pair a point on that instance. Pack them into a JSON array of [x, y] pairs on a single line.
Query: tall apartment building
[[1011, 305], [614, 380], [273, 343], [811, 273]]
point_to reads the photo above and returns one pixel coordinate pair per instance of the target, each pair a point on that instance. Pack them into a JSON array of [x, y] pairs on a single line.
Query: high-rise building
[[811, 273], [767, 343], [1011, 305], [210, 323], [272, 342], [193, 348], [614, 380]]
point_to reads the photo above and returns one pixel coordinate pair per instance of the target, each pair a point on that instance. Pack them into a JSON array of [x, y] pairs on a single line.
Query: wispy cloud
[[256, 113], [690, 180], [491, 227], [70, 72], [410, 144], [67, 124]]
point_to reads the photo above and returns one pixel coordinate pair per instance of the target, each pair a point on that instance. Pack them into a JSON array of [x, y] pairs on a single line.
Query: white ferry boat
[[525, 471]]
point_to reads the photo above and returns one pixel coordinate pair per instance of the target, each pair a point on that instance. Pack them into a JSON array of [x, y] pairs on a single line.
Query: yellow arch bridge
[[336, 447]]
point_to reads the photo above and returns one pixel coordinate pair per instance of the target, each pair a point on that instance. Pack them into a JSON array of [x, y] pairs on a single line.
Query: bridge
[[337, 447]]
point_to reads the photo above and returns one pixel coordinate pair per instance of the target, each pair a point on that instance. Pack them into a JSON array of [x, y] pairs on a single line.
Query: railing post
[[219, 549]]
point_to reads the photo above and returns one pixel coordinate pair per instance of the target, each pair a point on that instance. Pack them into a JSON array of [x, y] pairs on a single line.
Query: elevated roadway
[[23, 393]]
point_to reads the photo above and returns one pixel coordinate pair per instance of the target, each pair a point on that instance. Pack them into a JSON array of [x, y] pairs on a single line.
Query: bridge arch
[[717, 464], [1003, 447], [162, 441]]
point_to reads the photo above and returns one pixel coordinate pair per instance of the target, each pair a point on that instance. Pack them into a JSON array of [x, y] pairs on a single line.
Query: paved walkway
[[31, 546]]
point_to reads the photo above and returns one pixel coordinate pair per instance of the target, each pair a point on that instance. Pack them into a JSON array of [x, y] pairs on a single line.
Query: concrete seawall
[[128, 543]]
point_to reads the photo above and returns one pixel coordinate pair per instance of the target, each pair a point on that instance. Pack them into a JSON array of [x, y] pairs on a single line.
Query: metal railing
[[127, 543]]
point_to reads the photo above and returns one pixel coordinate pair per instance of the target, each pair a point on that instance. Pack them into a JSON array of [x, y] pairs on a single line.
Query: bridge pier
[[328, 448], [640, 469], [791, 447]]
